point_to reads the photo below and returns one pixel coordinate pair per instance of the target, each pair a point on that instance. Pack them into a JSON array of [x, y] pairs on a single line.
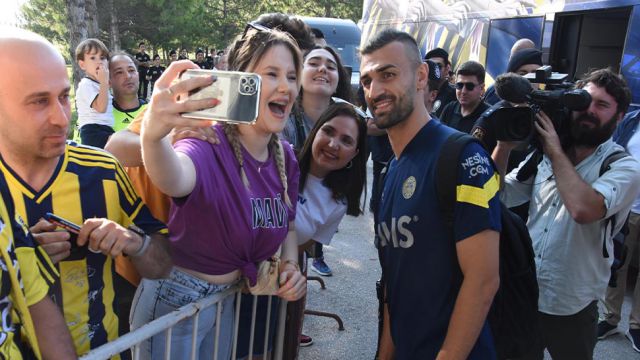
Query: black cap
[[434, 70], [524, 57], [438, 52]]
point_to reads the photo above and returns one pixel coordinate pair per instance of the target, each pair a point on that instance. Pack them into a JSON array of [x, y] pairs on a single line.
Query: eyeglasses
[[469, 85], [440, 65], [358, 111], [255, 26]]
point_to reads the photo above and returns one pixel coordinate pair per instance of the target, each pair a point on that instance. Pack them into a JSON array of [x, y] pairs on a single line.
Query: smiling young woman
[[332, 179], [323, 77], [218, 188]]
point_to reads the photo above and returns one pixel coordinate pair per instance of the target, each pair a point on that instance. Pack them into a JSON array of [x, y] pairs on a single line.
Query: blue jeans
[[155, 298]]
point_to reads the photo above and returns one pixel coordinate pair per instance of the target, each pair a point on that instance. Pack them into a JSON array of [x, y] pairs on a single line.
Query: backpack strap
[[447, 174], [610, 222]]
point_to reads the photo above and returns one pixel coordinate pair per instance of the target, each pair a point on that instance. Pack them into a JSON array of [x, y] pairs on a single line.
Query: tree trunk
[[327, 9], [91, 16], [225, 26], [77, 32], [114, 33]]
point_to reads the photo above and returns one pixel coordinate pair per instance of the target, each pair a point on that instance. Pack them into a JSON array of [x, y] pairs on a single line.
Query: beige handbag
[[268, 278]]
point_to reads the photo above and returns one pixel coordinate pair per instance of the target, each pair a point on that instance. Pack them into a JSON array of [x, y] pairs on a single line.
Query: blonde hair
[[275, 148], [244, 53]]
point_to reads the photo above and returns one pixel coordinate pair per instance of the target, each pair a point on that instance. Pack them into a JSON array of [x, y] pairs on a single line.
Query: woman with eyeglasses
[[217, 191]]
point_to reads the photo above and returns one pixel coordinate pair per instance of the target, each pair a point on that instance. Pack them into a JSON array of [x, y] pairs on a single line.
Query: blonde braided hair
[[275, 146], [231, 131], [278, 152]]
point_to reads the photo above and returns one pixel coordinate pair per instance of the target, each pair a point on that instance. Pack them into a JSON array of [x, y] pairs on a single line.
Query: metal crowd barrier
[[132, 340]]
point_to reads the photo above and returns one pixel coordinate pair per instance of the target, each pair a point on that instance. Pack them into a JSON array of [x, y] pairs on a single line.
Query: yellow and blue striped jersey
[[86, 183], [26, 273]]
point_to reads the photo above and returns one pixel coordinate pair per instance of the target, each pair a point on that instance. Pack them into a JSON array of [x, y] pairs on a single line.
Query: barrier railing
[[132, 340]]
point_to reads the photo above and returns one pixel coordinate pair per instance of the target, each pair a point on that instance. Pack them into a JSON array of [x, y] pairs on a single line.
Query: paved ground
[[351, 294]]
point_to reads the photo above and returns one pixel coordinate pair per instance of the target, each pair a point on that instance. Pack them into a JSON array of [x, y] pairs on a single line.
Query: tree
[[114, 29], [82, 23], [164, 24], [49, 19]]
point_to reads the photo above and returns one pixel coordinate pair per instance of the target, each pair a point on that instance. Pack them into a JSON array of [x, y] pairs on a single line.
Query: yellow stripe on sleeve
[[126, 181], [478, 196], [35, 286]]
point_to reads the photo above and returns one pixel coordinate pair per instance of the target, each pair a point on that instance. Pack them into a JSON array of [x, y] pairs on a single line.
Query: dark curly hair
[[613, 83], [297, 28]]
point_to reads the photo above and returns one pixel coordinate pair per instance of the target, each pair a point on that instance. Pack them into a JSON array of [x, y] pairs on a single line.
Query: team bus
[[574, 35]]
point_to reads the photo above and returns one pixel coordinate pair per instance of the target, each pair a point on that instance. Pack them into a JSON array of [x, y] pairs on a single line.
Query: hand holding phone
[[238, 92], [76, 252], [63, 223], [167, 105]]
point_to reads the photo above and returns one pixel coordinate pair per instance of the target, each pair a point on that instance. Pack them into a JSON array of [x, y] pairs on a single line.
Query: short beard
[[583, 136], [399, 113]]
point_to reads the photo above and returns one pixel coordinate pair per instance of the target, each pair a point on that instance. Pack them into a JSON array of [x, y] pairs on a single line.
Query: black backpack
[[619, 248], [513, 316]]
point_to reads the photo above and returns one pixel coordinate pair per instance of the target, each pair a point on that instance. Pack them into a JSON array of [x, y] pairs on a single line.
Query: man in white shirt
[[570, 207]]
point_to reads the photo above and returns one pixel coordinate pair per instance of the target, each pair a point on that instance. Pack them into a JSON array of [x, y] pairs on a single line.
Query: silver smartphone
[[238, 92]]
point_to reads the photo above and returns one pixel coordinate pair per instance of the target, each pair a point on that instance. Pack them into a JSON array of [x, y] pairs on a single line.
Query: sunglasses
[[255, 26], [358, 111], [469, 85]]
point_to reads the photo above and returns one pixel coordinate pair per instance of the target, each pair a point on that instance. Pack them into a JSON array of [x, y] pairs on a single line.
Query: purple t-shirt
[[223, 226]]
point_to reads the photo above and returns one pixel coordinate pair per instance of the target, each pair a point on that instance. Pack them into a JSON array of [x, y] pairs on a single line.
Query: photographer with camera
[[571, 206]]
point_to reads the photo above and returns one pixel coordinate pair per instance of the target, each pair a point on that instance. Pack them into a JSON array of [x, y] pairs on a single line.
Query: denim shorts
[[155, 298], [183, 288]]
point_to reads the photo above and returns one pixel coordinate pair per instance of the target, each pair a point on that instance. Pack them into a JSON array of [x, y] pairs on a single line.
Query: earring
[[349, 165]]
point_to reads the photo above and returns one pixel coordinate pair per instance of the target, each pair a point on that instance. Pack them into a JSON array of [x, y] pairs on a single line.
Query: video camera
[[513, 117]]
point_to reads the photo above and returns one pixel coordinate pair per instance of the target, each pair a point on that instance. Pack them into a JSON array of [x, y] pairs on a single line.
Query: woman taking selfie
[[216, 190]]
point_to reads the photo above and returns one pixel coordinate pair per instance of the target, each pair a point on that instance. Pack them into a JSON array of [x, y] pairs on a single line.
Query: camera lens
[[520, 126]]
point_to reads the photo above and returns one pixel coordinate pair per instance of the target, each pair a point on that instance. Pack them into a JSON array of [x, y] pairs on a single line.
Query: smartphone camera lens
[[248, 86]]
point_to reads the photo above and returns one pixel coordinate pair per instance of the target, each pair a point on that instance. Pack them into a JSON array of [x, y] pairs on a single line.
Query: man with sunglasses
[[462, 114], [446, 92]]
